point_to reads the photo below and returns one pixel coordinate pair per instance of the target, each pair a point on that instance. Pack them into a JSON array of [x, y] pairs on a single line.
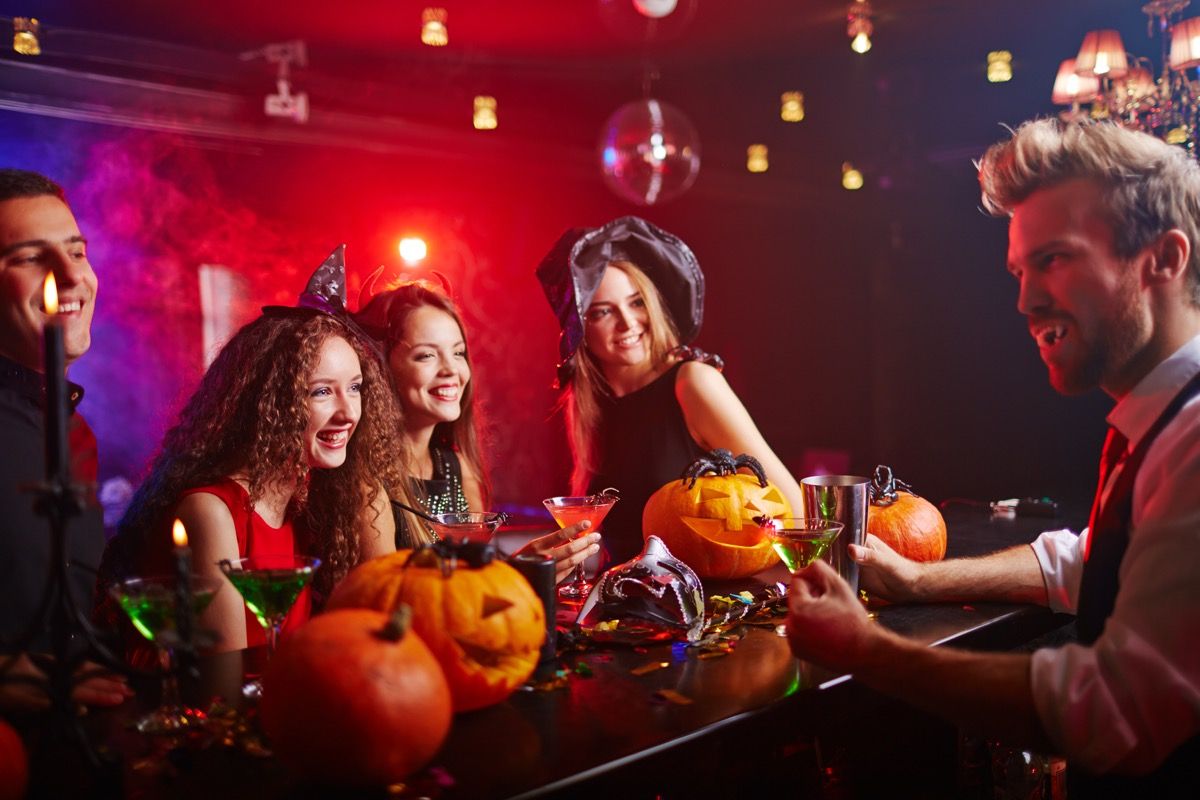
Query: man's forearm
[[1010, 575], [978, 691]]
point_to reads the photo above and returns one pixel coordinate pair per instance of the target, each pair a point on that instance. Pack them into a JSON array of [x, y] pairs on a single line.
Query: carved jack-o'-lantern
[[708, 521], [479, 616]]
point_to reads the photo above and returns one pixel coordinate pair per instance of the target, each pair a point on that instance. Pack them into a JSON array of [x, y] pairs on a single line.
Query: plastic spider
[[722, 462]]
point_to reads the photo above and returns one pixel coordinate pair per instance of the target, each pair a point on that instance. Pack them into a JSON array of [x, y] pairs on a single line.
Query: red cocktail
[[569, 511]]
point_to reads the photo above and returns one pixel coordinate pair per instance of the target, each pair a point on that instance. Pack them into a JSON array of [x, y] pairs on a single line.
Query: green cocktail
[[270, 586], [151, 605], [798, 548]]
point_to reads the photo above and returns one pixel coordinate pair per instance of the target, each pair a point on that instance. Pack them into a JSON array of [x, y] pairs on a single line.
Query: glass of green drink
[[151, 605], [270, 586], [800, 541]]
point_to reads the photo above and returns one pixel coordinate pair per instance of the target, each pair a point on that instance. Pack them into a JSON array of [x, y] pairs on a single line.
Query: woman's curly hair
[[248, 417]]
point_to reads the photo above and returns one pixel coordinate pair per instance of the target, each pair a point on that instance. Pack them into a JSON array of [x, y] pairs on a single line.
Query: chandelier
[[1123, 87]]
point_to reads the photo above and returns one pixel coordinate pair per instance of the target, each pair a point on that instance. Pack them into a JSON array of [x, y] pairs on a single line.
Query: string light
[[25, 36], [999, 66], [791, 106], [852, 179], [756, 158], [485, 113], [858, 26], [433, 27]]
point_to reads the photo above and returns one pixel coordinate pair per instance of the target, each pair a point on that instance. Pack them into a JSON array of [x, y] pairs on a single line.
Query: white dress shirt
[[1124, 703]]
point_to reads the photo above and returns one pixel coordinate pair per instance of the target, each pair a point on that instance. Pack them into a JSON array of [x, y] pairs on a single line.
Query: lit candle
[[57, 412], [183, 584]]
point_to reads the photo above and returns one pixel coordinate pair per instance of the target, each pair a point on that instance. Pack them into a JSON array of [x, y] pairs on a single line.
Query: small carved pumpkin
[[708, 521], [478, 615], [911, 525], [353, 698]]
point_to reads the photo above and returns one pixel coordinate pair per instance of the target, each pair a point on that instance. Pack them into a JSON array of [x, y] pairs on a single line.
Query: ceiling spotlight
[[25, 36], [284, 103], [433, 27], [858, 25], [413, 250], [999, 66], [852, 179], [791, 106], [485, 113], [756, 158]]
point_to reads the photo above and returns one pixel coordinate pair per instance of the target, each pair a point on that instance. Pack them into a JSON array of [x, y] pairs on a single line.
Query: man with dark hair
[[1103, 243], [39, 237]]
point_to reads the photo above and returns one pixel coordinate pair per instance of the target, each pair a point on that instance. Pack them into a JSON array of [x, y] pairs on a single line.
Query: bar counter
[[733, 725]]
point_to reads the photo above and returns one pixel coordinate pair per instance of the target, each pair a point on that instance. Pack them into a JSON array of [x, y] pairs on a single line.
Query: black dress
[[644, 443], [441, 494]]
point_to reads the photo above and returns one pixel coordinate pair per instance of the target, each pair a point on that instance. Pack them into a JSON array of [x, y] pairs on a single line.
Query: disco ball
[[649, 152]]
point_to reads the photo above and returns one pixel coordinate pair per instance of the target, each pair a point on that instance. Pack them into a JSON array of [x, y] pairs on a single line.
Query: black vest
[[1179, 775]]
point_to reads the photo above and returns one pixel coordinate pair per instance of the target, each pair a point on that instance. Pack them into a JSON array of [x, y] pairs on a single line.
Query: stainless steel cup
[[843, 498]]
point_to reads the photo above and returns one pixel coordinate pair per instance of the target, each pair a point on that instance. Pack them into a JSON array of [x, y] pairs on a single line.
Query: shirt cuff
[[1060, 556]]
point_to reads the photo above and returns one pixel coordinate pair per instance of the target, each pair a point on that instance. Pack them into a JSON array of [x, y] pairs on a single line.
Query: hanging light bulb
[[25, 36], [791, 106], [858, 26], [756, 158], [852, 179], [433, 27], [655, 9], [999, 66], [485, 113]]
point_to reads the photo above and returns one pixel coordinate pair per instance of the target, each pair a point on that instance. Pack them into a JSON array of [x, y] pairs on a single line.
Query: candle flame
[[50, 294], [179, 534]]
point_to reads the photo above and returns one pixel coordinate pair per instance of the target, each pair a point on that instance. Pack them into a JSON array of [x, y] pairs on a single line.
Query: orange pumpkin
[[14, 764], [911, 525], [353, 698], [482, 620], [708, 521]]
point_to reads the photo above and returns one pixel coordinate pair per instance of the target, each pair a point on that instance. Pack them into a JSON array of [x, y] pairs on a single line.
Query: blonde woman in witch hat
[[287, 447], [640, 403], [425, 345]]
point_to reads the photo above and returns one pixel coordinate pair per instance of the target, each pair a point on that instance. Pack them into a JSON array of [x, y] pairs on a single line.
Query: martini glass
[[150, 604], [467, 526], [569, 511], [270, 586], [799, 542]]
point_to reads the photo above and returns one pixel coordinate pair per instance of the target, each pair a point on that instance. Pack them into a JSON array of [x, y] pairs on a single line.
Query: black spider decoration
[[722, 462]]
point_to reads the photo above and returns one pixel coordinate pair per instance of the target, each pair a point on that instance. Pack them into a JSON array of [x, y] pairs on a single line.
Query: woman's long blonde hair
[[580, 398]]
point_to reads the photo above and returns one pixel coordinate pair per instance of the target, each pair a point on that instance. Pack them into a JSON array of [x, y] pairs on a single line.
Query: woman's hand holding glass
[[569, 547]]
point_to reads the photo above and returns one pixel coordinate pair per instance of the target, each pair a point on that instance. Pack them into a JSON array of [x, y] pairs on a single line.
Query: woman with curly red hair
[[288, 446]]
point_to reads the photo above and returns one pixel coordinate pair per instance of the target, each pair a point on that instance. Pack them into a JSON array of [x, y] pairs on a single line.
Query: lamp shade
[[1102, 55], [1185, 44], [1071, 87], [1137, 84]]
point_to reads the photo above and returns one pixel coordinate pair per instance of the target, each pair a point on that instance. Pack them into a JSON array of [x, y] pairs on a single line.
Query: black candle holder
[[74, 639]]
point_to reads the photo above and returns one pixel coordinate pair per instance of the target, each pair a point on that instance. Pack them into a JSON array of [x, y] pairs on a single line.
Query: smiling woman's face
[[617, 329], [431, 367], [334, 403]]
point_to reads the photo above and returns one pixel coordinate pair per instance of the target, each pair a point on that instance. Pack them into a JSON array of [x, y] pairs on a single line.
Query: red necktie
[[1115, 447]]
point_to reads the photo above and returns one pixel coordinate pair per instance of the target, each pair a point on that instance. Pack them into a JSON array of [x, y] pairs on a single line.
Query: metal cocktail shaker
[[843, 498]]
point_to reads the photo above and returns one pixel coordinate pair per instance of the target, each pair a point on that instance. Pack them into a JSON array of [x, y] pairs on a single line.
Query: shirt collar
[[1139, 409], [31, 384]]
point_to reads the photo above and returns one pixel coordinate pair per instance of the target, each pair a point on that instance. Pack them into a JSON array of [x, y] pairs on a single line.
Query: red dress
[[254, 538]]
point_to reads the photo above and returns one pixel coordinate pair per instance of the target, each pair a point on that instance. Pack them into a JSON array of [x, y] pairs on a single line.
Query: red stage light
[[413, 250]]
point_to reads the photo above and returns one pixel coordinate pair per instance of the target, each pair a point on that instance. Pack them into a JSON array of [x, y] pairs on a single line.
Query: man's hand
[[95, 687], [885, 573], [569, 547], [826, 623]]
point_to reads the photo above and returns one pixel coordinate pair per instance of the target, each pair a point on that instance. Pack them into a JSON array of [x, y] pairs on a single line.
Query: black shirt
[[644, 443], [24, 535]]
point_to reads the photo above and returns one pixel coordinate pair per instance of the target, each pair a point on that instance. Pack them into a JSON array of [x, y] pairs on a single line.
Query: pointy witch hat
[[325, 293]]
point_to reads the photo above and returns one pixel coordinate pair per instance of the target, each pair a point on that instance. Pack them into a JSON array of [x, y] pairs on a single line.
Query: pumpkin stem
[[397, 626], [885, 485]]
